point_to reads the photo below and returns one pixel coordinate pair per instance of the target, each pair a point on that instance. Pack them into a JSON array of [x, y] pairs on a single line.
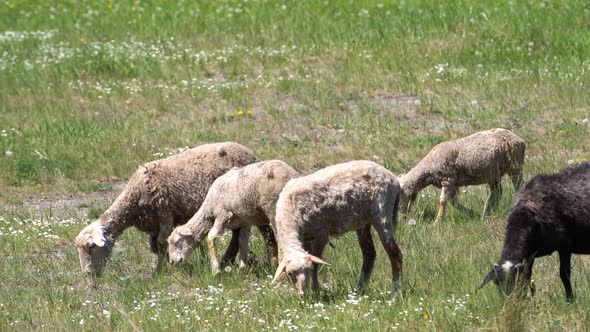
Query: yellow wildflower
[[249, 112], [110, 5], [240, 113], [82, 40], [11, 5]]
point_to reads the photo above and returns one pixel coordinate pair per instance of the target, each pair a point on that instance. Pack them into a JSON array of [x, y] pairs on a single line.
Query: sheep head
[[406, 196], [297, 267], [505, 275], [94, 249], [180, 244]]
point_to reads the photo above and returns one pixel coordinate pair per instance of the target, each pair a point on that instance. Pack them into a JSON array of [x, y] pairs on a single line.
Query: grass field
[[90, 90]]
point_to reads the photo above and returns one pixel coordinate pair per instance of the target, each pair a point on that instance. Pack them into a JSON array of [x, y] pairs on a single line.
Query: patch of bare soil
[[82, 202], [396, 103], [406, 108]]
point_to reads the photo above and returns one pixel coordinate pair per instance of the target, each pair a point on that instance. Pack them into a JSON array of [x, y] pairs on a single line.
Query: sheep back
[[556, 208], [478, 158], [249, 192], [337, 199], [176, 185]]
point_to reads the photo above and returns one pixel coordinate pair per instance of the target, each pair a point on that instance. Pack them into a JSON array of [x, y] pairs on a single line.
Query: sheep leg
[[453, 195], [153, 241], [272, 248], [162, 243], [446, 192], [317, 249], [494, 198], [368, 249], [565, 269], [243, 240], [214, 233], [384, 228], [232, 249], [202, 252]]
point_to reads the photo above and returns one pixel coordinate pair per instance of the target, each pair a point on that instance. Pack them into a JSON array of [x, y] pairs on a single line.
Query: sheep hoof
[[397, 293]]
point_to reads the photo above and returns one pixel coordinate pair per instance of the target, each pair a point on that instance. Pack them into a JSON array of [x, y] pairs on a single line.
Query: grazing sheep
[[346, 197], [238, 199], [550, 213], [476, 159], [159, 196]]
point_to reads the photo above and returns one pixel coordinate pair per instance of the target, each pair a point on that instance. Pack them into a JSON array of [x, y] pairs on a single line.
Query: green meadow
[[90, 90]]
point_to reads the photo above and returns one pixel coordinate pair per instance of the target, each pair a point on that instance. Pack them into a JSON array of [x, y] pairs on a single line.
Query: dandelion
[[82, 40], [585, 121], [227, 269], [110, 5], [249, 112], [11, 5], [240, 113], [412, 222], [8, 153]]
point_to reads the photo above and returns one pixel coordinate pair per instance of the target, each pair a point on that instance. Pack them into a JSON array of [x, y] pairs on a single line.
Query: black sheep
[[550, 213]]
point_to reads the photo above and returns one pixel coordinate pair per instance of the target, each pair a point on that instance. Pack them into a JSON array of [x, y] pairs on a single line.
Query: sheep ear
[[280, 272], [317, 260], [491, 276], [98, 236]]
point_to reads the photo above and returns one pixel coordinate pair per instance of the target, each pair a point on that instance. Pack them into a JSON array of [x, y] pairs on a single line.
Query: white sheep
[[352, 196], [238, 199], [481, 158], [159, 196]]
